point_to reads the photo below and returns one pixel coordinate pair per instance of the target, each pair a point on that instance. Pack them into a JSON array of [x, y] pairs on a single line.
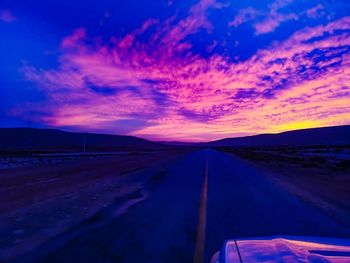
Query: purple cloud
[[7, 16]]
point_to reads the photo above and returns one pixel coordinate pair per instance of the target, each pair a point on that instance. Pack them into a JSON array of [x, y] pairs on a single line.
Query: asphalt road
[[161, 224]]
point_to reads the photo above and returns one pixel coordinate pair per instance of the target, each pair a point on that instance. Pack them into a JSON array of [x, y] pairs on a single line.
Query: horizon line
[[165, 141]]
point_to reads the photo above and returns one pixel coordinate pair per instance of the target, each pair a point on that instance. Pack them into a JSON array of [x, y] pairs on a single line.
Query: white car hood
[[284, 249]]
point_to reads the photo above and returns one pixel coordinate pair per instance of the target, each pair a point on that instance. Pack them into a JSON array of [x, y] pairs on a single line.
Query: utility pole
[[84, 142], [29, 137]]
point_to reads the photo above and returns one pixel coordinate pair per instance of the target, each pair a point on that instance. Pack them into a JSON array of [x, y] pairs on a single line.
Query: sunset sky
[[175, 70]]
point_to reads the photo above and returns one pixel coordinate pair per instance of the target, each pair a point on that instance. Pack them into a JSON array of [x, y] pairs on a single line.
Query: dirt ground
[[319, 175], [42, 201]]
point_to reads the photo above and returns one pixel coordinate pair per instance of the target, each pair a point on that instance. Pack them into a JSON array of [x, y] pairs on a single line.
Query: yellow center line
[[200, 241]]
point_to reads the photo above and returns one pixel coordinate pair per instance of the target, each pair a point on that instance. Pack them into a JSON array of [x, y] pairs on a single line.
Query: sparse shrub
[[344, 164], [317, 159], [308, 165]]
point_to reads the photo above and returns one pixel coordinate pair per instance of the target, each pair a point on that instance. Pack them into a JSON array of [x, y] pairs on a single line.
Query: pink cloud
[[193, 98], [267, 21], [316, 11], [73, 40], [243, 16], [272, 22], [275, 17], [7, 16]]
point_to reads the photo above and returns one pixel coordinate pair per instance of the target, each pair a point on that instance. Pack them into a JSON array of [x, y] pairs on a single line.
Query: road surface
[[160, 223]]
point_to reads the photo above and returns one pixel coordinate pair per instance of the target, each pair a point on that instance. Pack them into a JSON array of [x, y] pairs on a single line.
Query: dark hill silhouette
[[335, 135], [53, 140], [31, 139]]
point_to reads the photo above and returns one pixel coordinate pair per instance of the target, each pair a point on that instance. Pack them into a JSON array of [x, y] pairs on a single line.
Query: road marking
[[200, 241]]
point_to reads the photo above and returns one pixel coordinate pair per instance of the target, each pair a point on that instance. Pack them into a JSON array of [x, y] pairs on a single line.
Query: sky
[[174, 70]]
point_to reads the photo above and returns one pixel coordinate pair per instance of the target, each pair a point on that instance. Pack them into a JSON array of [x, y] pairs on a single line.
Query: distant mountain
[[316, 136], [30, 139]]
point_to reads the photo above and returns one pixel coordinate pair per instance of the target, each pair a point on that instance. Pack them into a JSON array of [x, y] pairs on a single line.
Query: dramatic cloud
[[153, 78], [274, 18], [267, 21]]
